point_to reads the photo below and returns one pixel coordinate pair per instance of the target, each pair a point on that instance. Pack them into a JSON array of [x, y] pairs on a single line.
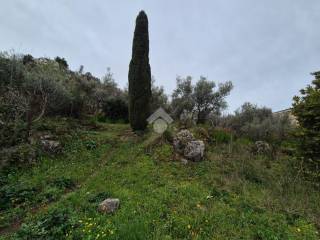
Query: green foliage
[[158, 97], [200, 100], [208, 101], [163, 153], [307, 110], [168, 135], [93, 228], [140, 75], [228, 195], [98, 197], [12, 133], [54, 224], [257, 123], [28, 59], [18, 155], [182, 100], [220, 135], [11, 71], [16, 195], [116, 110], [62, 183], [90, 144], [35, 88], [202, 133], [62, 62]]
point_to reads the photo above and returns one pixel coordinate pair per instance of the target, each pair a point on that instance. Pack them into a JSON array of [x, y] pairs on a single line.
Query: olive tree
[[200, 101]]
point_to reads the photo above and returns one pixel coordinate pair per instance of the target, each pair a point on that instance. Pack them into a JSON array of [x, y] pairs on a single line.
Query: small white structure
[[160, 120]]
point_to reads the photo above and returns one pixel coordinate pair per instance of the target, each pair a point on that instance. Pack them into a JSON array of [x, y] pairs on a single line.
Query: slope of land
[[229, 195]]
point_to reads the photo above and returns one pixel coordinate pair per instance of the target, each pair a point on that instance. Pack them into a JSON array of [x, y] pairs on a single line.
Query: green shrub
[[90, 144], [53, 225], [51, 194], [17, 155], [220, 135], [307, 110], [168, 135], [16, 195], [98, 197], [201, 133], [116, 110], [257, 123], [62, 183], [12, 133]]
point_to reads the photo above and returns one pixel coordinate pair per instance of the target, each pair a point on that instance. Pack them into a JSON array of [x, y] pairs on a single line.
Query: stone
[[51, 146], [181, 140], [184, 161], [109, 205], [261, 147], [194, 150], [46, 137]]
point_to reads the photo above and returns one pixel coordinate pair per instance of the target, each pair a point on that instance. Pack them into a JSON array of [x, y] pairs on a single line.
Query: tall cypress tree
[[140, 75]]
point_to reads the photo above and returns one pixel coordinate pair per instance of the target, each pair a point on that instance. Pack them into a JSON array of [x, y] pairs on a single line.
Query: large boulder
[[186, 145], [109, 205], [194, 150], [181, 140]]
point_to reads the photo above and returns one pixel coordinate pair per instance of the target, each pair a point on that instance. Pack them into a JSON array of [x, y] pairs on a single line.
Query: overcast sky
[[267, 48]]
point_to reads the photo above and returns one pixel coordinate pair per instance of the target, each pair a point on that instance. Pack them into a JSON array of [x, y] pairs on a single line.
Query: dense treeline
[[35, 88]]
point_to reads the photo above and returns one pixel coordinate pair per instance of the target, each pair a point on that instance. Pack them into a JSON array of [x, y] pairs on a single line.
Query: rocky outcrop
[[186, 145], [194, 150]]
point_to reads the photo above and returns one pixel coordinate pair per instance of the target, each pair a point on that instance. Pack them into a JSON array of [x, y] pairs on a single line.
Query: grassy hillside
[[232, 194]]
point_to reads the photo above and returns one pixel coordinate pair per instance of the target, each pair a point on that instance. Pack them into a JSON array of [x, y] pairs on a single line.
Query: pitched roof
[[160, 113]]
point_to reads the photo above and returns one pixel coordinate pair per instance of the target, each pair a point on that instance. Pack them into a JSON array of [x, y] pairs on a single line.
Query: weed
[[54, 224]]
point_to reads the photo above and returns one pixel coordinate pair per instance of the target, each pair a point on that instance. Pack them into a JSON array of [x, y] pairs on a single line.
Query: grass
[[227, 196]]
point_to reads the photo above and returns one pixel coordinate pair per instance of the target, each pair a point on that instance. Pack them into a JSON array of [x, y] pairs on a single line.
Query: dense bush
[[34, 88], [15, 195], [19, 154], [220, 135], [12, 133], [307, 110], [116, 110], [54, 224], [257, 123]]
